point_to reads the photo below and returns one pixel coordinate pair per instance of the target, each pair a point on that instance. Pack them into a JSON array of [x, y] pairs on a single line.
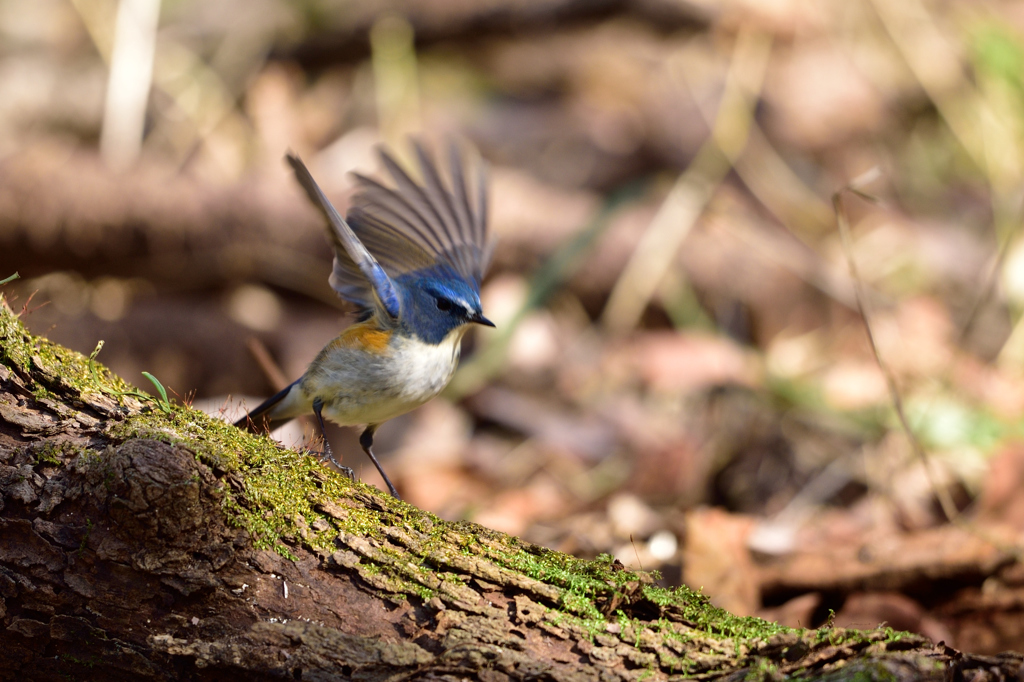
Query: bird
[[411, 259]]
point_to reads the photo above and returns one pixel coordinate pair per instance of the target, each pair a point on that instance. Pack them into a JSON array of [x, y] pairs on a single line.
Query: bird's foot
[[345, 471], [325, 456]]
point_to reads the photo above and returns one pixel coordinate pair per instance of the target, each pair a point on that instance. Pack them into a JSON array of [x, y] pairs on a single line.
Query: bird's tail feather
[[261, 419]]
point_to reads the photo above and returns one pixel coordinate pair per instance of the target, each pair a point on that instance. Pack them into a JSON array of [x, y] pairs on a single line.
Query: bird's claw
[[325, 456]]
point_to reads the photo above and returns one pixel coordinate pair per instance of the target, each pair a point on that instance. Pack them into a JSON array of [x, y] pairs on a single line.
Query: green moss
[[48, 454], [764, 670], [855, 671], [85, 536], [51, 365], [88, 663], [586, 581], [278, 490], [56, 452]]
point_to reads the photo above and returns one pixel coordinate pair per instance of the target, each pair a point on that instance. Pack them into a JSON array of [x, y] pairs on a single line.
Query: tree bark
[[141, 541]]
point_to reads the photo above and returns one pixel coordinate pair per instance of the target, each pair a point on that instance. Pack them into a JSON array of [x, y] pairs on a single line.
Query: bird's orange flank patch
[[366, 336]]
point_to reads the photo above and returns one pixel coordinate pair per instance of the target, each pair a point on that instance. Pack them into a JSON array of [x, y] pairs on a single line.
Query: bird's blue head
[[436, 301]]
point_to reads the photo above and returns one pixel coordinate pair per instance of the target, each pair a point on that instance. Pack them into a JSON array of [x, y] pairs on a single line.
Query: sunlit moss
[[52, 364]]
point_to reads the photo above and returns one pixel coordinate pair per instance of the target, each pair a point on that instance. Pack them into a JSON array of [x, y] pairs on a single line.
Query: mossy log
[[145, 541]]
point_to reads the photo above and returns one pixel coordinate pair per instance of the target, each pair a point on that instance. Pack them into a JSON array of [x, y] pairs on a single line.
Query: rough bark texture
[[142, 545]]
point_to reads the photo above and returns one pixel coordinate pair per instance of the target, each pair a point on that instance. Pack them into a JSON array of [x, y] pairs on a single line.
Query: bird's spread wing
[[348, 247], [417, 226], [408, 228]]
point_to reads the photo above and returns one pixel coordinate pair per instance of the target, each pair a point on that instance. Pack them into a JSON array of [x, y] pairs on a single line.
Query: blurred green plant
[[998, 52], [946, 422]]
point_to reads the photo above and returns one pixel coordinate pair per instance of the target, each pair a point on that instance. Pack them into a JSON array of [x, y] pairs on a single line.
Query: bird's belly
[[362, 388]]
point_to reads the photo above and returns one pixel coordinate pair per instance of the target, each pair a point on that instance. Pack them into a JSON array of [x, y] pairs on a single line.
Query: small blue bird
[[411, 259]]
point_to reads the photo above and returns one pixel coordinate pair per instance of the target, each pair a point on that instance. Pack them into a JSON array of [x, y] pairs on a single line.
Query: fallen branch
[[145, 545]]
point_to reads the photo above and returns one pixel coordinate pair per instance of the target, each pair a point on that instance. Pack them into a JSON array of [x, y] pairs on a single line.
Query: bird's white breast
[[420, 370], [364, 388]]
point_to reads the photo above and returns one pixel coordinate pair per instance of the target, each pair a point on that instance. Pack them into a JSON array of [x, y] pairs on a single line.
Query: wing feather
[[457, 230], [345, 241]]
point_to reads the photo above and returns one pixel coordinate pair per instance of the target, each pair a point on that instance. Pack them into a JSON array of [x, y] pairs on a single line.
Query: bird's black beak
[[480, 319]]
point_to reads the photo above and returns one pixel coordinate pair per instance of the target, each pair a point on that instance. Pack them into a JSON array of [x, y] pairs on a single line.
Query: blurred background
[[680, 376]]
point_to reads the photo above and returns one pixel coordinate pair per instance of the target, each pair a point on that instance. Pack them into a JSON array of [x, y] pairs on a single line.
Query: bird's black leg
[[366, 440], [318, 405]]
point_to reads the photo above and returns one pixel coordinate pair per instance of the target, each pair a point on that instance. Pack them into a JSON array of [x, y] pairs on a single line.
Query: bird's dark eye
[[444, 304]]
